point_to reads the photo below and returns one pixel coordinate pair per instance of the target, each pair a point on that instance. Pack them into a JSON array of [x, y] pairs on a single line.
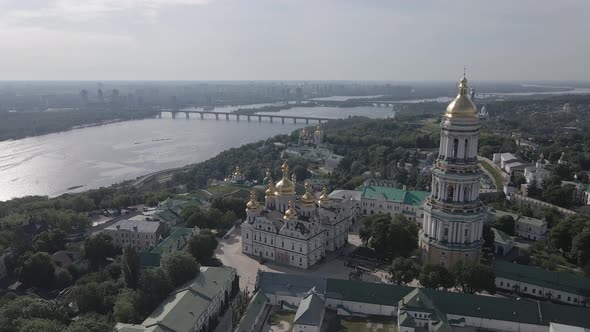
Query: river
[[99, 156]]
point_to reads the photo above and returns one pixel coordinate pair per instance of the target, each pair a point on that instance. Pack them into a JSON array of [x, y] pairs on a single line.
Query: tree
[[155, 287], [505, 224], [562, 235], [179, 267], [130, 266], [436, 276], [38, 270], [474, 277], [89, 323], [403, 270], [39, 324], [125, 309], [202, 245], [98, 248], [581, 247], [390, 237], [86, 297], [50, 241], [63, 278], [488, 237]]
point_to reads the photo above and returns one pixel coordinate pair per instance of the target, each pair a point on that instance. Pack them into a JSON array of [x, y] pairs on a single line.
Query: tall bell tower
[[453, 214]]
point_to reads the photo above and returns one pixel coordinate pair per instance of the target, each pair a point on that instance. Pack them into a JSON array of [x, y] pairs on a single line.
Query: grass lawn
[[358, 324], [282, 316]]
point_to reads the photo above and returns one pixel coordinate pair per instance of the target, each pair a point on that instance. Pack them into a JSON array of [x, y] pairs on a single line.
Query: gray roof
[[310, 310], [289, 284], [182, 309], [135, 226], [255, 308]]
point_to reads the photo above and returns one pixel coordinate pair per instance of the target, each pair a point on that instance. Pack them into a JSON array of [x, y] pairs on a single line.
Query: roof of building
[[140, 226], [310, 311], [365, 292], [497, 214], [344, 194], [256, 306], [181, 310], [410, 197], [167, 215], [177, 240], [501, 237], [564, 281], [170, 203], [281, 283]]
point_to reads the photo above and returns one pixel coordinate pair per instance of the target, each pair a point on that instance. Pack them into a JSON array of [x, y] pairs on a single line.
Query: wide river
[[99, 156]]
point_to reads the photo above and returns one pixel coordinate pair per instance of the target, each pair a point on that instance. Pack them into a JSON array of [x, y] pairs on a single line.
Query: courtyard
[[229, 252]]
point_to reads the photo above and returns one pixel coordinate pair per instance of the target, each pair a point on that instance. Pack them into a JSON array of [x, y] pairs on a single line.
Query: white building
[[140, 234], [194, 307], [292, 231], [421, 309], [379, 196], [453, 214], [525, 227], [537, 282], [310, 313]]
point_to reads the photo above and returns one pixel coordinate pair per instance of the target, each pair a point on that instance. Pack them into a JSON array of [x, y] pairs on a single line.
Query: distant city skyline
[[505, 40]]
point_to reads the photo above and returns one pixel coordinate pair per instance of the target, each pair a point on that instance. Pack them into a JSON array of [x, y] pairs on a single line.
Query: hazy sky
[[294, 39]]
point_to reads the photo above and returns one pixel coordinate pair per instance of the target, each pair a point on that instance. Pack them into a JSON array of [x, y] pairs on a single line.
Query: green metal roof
[[367, 292], [564, 281], [497, 214], [410, 197], [255, 308], [310, 310], [167, 215], [501, 237], [182, 309], [176, 241]]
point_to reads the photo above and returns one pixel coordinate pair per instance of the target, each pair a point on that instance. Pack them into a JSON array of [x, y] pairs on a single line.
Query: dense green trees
[[390, 237], [130, 266], [403, 270], [179, 268], [488, 237], [98, 248], [38, 270], [505, 224], [202, 245], [473, 277], [214, 218], [436, 276], [25, 313], [50, 241], [155, 287]]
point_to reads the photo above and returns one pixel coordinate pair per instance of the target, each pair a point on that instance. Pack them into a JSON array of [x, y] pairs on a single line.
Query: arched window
[[455, 148], [466, 144], [466, 193], [450, 192]]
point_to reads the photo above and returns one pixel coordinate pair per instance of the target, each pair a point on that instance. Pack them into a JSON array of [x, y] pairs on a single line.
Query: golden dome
[[285, 186], [308, 197], [462, 106], [318, 129], [253, 202], [324, 197], [237, 171], [271, 190], [290, 214]]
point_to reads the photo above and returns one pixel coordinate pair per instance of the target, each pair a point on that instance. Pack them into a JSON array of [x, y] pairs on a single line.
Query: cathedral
[[453, 214], [292, 230]]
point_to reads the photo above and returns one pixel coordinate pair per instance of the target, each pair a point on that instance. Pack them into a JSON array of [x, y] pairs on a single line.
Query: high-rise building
[[453, 213]]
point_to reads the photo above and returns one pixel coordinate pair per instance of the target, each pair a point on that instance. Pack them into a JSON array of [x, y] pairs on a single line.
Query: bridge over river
[[235, 116]]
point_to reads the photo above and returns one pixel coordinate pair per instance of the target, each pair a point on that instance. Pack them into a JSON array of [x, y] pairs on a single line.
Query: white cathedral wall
[[499, 325]]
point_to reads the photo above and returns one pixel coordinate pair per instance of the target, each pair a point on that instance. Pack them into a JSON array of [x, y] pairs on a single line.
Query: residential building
[[420, 309], [453, 213], [254, 315], [294, 231], [525, 227], [310, 313], [143, 235], [503, 243], [537, 282], [194, 307], [177, 241], [380, 196]]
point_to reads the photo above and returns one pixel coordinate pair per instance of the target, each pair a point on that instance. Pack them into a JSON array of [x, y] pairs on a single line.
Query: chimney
[[135, 228]]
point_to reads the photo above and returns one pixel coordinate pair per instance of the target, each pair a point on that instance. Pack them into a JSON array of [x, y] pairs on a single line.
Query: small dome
[[253, 202], [462, 105], [271, 190], [324, 197], [290, 214], [285, 186], [237, 171], [308, 197]]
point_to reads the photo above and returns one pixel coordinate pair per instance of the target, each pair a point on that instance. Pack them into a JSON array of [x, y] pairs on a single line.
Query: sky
[[399, 40]]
